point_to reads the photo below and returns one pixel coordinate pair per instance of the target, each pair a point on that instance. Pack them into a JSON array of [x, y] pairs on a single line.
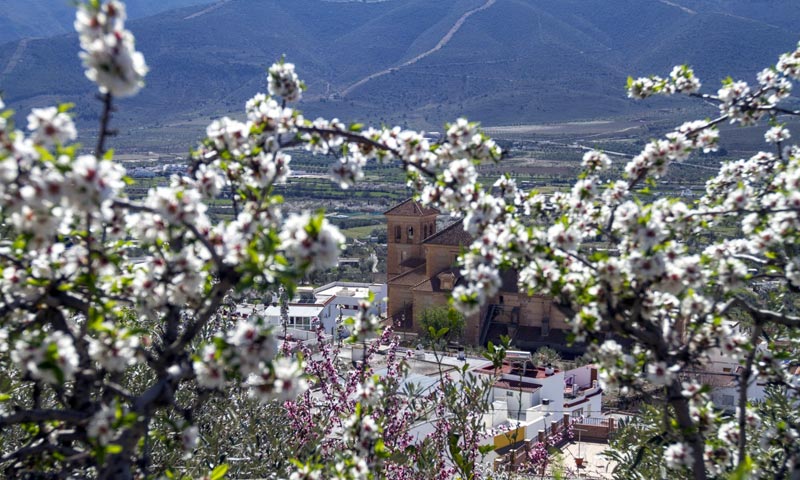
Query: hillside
[[46, 18], [412, 61]]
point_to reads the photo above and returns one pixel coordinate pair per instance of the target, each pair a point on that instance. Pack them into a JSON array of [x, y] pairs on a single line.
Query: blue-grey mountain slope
[[418, 62], [46, 18]]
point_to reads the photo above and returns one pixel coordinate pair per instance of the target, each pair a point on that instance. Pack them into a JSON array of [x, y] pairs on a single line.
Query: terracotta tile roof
[[411, 208], [528, 372], [410, 278], [516, 385], [412, 262], [434, 284], [454, 235]]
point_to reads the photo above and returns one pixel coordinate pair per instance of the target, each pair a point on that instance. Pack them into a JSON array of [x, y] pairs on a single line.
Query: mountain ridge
[[515, 61]]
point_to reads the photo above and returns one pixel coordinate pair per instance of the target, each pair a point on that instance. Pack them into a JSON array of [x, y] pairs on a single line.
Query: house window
[[302, 323], [424, 231], [726, 370], [410, 233], [397, 233]]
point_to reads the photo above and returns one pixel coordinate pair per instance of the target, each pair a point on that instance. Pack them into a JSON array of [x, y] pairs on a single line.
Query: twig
[[104, 132]]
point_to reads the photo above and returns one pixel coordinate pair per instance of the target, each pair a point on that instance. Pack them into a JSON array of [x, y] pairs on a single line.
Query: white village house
[[326, 305]]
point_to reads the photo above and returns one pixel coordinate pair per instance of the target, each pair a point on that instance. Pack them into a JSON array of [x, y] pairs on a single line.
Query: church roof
[[454, 235], [411, 208], [412, 262], [435, 284], [410, 278]]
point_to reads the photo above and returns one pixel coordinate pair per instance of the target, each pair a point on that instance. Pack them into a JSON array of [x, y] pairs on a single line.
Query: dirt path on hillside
[[16, 56], [673, 4], [207, 10], [442, 42]]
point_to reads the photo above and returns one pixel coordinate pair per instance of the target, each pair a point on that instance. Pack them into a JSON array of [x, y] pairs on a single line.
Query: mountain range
[[45, 18], [415, 62]]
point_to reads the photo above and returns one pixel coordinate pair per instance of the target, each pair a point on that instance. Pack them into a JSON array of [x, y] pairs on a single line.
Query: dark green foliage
[[442, 323]]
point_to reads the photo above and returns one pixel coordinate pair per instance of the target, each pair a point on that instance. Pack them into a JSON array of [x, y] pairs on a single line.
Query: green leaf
[[65, 107], [113, 448], [219, 471], [744, 470], [44, 153], [484, 449], [356, 127]]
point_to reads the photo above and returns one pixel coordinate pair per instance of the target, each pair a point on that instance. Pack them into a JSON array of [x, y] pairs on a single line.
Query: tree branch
[[43, 415], [762, 316], [105, 120]]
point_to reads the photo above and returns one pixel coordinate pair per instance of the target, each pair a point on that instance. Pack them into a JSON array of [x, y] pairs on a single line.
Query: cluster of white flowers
[[678, 456], [230, 135], [50, 127], [366, 321], [249, 351], [311, 240], [114, 350], [189, 439], [102, 426], [789, 64], [283, 381], [47, 356], [361, 432], [109, 53], [680, 80], [283, 82], [254, 347], [210, 368]]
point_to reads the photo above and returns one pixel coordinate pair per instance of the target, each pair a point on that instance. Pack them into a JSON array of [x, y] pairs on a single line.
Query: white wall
[[552, 388], [595, 407], [517, 401], [583, 375]]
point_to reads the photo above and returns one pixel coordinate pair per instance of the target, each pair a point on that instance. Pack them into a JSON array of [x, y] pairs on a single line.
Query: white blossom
[[283, 82], [101, 426], [678, 456], [49, 126], [50, 357], [311, 240]]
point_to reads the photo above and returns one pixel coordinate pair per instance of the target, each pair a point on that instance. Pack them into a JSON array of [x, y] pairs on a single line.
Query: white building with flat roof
[[325, 305]]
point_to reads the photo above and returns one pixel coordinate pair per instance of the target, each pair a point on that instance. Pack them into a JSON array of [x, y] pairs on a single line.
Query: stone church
[[421, 274]]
